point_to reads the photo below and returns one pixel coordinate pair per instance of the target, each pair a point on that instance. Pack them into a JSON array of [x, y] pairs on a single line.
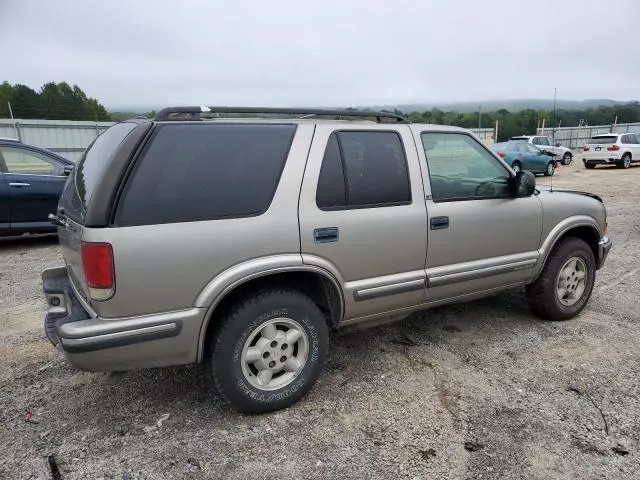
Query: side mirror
[[558, 144], [67, 170], [524, 184]]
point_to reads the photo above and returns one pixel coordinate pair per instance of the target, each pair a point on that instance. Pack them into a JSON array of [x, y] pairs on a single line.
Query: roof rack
[[195, 113]]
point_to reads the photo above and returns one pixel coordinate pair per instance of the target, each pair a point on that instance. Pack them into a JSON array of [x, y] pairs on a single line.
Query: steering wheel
[[486, 189]]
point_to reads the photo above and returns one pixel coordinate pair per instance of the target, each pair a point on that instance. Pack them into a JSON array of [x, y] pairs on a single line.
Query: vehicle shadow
[[354, 354], [8, 244]]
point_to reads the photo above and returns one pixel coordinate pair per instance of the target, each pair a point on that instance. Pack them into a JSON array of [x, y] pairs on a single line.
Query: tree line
[[54, 101], [527, 121], [61, 101]]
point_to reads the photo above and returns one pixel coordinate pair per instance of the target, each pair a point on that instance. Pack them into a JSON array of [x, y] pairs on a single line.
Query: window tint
[[361, 169], [627, 139], [635, 138], [206, 172], [20, 160], [536, 141], [543, 141], [603, 140], [461, 169]]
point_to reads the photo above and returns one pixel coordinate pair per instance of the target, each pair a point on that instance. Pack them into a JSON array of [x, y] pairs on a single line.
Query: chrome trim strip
[[481, 273], [73, 342], [384, 290]]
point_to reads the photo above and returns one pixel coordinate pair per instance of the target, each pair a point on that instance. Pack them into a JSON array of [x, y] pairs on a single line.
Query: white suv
[[560, 154], [620, 149]]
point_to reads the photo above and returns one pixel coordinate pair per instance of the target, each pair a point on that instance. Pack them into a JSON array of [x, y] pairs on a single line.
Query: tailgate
[[70, 237]]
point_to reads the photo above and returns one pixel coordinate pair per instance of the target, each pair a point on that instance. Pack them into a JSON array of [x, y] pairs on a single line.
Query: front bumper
[[98, 344], [604, 246]]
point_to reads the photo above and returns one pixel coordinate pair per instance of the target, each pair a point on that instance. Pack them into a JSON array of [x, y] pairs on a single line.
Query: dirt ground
[[477, 390]]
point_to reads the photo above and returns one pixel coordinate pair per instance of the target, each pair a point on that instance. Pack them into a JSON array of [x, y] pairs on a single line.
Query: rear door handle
[[439, 223], [19, 184], [325, 235]]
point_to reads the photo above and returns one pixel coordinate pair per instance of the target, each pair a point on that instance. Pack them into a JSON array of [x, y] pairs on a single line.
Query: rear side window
[[542, 141], [363, 170], [81, 184], [205, 172]]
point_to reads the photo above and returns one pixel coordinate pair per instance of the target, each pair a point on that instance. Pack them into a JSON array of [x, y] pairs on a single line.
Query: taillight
[[502, 154], [97, 260], [586, 148], [613, 148]]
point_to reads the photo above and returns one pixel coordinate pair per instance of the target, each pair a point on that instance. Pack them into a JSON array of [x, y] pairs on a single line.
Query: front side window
[[363, 170], [19, 160], [461, 169]]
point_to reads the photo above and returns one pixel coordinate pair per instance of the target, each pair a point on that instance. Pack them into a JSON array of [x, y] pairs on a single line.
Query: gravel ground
[[477, 390]]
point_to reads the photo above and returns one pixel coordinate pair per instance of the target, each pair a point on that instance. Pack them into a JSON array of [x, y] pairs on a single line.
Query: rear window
[[82, 182], [603, 140], [205, 172]]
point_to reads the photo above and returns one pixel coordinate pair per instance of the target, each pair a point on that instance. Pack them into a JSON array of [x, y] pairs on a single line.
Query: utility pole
[[10, 111], [555, 91]]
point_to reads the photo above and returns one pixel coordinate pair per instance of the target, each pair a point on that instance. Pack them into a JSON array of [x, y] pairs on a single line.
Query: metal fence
[[487, 135], [70, 138], [65, 137], [577, 137]]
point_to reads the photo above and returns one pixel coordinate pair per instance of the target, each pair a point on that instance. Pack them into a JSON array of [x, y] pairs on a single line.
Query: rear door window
[[363, 170], [205, 172]]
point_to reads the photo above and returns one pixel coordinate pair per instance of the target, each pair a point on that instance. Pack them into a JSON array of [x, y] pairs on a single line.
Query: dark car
[[31, 182], [525, 156]]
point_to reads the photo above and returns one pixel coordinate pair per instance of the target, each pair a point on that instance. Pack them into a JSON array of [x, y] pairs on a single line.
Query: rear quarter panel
[[162, 268]]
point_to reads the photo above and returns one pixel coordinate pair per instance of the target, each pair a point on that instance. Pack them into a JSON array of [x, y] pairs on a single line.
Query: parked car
[[561, 154], [242, 242], [525, 156], [612, 148], [31, 181]]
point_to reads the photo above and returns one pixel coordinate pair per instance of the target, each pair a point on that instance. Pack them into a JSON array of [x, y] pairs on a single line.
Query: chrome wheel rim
[[274, 354], [550, 169], [627, 162], [516, 168], [571, 282]]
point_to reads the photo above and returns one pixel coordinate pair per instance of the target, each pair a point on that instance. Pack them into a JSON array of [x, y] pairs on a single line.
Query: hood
[[565, 190]]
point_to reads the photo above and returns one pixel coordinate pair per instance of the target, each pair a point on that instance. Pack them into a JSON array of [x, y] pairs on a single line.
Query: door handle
[[325, 235], [19, 184], [439, 223]]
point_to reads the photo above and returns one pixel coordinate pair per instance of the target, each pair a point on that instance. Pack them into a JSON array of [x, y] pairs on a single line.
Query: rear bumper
[[601, 161], [604, 246], [97, 344]]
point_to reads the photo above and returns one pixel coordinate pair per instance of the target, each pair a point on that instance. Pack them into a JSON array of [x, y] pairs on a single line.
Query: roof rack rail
[[195, 113]]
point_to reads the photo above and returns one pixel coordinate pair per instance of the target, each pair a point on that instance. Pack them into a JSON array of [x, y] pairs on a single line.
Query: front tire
[[566, 159], [564, 287], [551, 168], [269, 350]]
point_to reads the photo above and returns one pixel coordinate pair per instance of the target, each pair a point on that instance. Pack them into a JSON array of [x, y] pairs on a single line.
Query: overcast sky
[[323, 52]]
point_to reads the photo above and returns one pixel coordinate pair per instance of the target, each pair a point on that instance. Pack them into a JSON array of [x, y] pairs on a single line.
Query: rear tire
[[517, 166], [269, 350], [625, 161], [561, 291], [566, 159], [590, 166]]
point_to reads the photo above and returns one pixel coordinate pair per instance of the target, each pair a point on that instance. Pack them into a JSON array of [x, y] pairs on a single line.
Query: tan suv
[[244, 241]]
